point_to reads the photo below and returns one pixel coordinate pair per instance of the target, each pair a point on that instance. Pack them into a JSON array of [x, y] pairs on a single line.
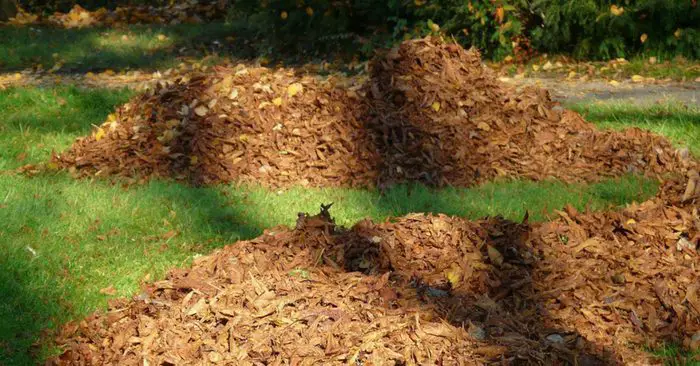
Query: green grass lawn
[[66, 239], [678, 122]]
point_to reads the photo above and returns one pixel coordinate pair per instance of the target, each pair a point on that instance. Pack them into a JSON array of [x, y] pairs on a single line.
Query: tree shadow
[[152, 47], [99, 49], [26, 315]]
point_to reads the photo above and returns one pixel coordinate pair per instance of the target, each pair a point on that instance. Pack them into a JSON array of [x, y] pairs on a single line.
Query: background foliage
[[594, 29]]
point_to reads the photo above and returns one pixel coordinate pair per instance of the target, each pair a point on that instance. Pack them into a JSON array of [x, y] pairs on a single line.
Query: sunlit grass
[[677, 121]]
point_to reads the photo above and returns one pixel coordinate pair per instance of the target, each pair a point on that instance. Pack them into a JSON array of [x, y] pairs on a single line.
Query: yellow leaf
[[51, 165], [535, 67], [614, 82], [201, 110], [678, 33], [483, 126], [494, 255], [419, 2], [162, 37], [294, 89], [172, 123], [284, 15], [434, 27], [617, 10], [454, 275], [643, 37], [193, 160], [637, 78], [277, 101], [630, 222], [99, 134], [435, 106], [243, 137], [309, 11], [572, 75]]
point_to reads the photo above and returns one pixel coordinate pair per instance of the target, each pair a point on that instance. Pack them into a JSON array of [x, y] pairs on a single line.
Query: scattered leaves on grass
[[109, 290], [170, 13]]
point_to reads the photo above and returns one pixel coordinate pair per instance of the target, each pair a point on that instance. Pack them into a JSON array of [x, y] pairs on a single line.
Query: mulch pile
[[585, 288], [191, 12], [426, 111]]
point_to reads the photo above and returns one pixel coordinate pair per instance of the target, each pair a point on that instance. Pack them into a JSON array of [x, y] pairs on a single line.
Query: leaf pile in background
[[173, 13], [427, 111], [586, 288]]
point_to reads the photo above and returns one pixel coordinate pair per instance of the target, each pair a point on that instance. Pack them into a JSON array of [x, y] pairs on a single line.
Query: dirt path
[[625, 91]]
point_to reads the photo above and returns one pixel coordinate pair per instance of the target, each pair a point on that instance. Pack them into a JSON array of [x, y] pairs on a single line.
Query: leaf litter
[[584, 288], [192, 12], [426, 111], [419, 289]]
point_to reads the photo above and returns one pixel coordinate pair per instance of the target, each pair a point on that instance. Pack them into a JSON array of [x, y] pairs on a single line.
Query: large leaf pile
[[427, 111], [585, 288]]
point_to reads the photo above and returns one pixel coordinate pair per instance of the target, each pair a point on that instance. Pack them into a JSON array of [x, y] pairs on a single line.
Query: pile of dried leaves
[[191, 11], [427, 111], [585, 288]]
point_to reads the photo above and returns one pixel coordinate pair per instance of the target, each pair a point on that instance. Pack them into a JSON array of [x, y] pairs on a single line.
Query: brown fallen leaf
[[109, 290], [170, 234]]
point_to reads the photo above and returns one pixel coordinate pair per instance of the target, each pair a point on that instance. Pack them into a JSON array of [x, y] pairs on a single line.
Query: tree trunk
[[8, 9]]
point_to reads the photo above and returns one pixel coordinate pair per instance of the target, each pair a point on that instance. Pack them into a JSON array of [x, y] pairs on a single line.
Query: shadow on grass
[[96, 49], [150, 47], [38, 120], [65, 109], [26, 314], [70, 245]]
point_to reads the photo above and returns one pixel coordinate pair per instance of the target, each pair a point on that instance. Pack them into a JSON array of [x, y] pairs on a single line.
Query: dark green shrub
[[608, 29], [491, 26]]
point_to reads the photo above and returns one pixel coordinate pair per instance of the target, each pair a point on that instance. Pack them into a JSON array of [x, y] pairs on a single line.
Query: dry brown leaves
[[427, 112], [585, 288], [192, 11]]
